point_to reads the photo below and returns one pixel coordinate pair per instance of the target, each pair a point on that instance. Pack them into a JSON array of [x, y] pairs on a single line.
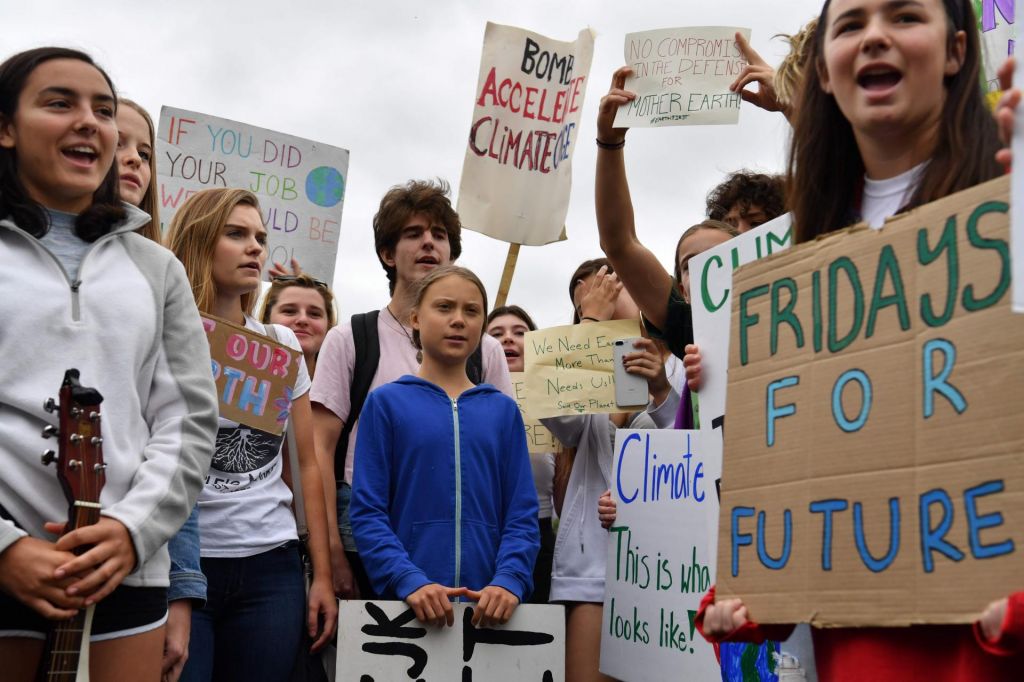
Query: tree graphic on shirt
[[241, 449]]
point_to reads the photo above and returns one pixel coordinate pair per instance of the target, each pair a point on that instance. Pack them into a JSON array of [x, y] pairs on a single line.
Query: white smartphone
[[630, 389]]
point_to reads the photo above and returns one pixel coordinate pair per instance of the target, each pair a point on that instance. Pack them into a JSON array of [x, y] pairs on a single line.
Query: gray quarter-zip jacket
[[130, 325]]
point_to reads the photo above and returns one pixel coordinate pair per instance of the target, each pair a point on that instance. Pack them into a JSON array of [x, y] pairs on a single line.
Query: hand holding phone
[[630, 389]]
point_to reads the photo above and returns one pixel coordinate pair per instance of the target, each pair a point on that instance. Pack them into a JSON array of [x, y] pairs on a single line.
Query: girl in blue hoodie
[[443, 502]]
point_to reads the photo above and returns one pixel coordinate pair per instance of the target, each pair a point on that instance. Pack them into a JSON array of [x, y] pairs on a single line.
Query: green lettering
[[927, 256], [785, 315], [846, 265], [888, 264], [779, 241], [816, 309], [970, 302], [705, 295], [748, 320]]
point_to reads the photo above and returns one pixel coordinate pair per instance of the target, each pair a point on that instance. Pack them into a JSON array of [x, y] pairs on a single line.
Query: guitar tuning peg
[[49, 431], [50, 405], [48, 457]]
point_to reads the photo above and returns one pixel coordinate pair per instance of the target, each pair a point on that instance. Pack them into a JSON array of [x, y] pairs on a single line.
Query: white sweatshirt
[[129, 324]]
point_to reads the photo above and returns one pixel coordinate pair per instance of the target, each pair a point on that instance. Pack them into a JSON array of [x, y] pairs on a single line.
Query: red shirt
[[935, 653]]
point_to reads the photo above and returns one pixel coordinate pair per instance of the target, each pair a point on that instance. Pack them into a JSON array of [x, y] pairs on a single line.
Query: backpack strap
[[367, 346], [475, 365]]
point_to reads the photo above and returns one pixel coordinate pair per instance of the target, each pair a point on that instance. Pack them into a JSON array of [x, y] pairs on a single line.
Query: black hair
[[106, 209]]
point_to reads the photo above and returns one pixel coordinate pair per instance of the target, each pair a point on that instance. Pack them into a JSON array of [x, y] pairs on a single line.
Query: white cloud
[[393, 82]]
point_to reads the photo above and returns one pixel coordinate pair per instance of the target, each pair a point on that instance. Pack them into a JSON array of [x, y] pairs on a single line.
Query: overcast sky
[[393, 82]]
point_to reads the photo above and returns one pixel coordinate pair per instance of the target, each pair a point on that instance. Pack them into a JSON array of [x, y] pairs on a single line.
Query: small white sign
[[383, 641]]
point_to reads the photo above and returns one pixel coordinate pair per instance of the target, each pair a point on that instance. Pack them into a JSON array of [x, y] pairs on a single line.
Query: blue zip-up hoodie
[[443, 491]]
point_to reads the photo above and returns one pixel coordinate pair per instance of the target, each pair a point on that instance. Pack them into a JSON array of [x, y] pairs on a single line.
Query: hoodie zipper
[[76, 284], [458, 495]]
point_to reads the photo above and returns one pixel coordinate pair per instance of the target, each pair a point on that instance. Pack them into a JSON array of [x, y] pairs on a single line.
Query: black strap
[[475, 365], [367, 346]]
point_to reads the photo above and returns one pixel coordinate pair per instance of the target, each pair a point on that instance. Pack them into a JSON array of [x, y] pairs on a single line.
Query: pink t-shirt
[[334, 366]]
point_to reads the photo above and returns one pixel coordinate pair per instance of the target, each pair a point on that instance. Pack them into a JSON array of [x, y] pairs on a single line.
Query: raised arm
[[640, 271]]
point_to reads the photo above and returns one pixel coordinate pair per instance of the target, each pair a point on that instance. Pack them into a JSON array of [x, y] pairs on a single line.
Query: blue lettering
[[618, 470], [938, 384], [787, 541], [827, 507], [739, 539], [933, 539], [778, 411], [838, 413], [877, 565], [976, 523]]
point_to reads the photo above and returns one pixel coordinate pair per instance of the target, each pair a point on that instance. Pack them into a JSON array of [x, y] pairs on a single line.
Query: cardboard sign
[[660, 562], [382, 640], [526, 118], [998, 36], [300, 183], [254, 375], [570, 370], [539, 440], [681, 76], [874, 455], [1016, 213]]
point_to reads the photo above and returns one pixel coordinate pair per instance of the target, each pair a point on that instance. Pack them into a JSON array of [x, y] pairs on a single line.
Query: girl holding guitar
[[83, 291]]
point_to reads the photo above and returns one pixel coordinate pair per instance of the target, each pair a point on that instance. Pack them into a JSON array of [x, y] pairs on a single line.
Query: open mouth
[[876, 79], [427, 260], [511, 353], [82, 155]]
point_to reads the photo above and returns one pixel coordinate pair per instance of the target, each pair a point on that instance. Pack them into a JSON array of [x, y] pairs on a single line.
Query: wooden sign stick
[[506, 275]]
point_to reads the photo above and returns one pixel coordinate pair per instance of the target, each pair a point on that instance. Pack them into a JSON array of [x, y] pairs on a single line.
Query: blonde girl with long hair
[[251, 625]]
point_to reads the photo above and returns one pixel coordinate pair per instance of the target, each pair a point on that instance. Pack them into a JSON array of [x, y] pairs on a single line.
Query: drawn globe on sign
[[325, 186]]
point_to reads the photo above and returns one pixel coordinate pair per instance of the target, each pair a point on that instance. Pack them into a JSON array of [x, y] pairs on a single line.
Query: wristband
[[610, 145]]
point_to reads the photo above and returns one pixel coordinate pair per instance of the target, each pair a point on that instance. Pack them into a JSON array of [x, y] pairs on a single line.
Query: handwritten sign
[[681, 76], [570, 370], [998, 37], [526, 117], [300, 183], [876, 476], [538, 439], [254, 375], [660, 558], [712, 273], [382, 640]]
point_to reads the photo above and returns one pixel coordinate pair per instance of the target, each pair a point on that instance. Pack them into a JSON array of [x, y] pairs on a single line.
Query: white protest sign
[[998, 37], [660, 558], [526, 118], [383, 641], [710, 295], [300, 183], [681, 76]]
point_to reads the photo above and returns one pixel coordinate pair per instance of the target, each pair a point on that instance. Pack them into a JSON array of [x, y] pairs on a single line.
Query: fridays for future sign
[[300, 183], [874, 468]]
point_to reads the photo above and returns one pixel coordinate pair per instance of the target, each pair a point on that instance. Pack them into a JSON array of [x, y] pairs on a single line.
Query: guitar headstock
[[80, 460]]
